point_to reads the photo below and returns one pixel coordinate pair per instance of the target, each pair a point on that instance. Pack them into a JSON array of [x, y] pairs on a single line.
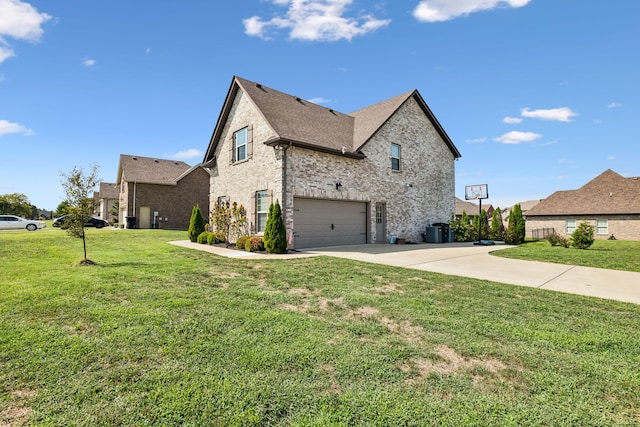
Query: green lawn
[[162, 335], [611, 254]]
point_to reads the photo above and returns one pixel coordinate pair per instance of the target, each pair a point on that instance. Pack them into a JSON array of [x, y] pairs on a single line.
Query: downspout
[[135, 186]]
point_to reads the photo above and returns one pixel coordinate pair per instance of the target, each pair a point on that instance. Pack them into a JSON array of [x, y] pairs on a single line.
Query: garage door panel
[[329, 222]]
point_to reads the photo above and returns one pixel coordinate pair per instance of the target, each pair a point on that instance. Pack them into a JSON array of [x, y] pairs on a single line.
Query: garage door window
[[262, 208]]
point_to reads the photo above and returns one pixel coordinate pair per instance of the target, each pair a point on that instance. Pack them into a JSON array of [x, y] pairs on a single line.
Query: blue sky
[[538, 95]]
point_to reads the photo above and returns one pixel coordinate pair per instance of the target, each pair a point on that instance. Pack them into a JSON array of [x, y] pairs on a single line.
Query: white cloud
[[444, 10], [7, 127], [512, 120], [19, 21], [185, 154], [315, 20], [515, 137], [319, 100], [475, 140], [563, 114], [88, 62], [614, 105]]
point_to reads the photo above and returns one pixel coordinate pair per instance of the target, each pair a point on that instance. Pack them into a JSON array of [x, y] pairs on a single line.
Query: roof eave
[[350, 154]]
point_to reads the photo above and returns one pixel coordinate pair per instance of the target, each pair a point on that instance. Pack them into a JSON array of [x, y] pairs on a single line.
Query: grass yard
[[161, 335], [610, 254]]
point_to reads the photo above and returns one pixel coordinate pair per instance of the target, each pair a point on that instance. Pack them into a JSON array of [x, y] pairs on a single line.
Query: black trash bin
[[131, 221], [447, 235]]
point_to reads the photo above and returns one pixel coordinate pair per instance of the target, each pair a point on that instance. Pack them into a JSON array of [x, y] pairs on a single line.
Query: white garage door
[[320, 223]]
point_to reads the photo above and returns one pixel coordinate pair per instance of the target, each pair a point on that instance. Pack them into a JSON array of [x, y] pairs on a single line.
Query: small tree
[[196, 224], [481, 225], [516, 230], [275, 233], [78, 188], [62, 209], [229, 220], [582, 237], [497, 227], [115, 212]]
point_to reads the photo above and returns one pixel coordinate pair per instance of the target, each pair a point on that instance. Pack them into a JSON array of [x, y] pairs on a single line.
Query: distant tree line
[[18, 204]]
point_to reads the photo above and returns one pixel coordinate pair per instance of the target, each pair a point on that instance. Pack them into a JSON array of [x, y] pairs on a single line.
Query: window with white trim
[[602, 226], [240, 139], [570, 226], [262, 210], [395, 157]]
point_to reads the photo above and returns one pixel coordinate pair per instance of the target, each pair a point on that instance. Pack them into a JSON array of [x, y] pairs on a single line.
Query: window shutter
[[249, 141], [232, 154], [254, 217]]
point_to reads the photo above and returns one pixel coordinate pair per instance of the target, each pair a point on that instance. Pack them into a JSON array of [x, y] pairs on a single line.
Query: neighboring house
[[105, 197], [524, 207], [609, 202], [161, 193], [471, 209], [340, 179]]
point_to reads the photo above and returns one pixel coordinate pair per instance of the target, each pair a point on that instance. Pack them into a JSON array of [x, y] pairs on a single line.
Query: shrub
[[497, 227], [275, 233], [240, 242], [196, 224], [219, 237], [516, 229], [211, 238], [582, 237], [202, 237], [556, 240], [254, 244]]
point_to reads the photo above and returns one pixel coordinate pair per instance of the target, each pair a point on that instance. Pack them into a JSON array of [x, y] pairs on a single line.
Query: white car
[[12, 222]]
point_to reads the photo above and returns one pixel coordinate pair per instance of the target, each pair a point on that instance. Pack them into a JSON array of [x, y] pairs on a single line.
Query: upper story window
[[395, 157], [240, 142]]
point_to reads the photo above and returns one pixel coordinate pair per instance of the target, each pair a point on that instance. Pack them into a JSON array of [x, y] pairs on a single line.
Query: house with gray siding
[[160, 193], [609, 202], [387, 169]]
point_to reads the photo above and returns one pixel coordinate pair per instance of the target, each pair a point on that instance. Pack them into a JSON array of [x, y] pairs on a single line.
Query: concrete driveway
[[468, 260]]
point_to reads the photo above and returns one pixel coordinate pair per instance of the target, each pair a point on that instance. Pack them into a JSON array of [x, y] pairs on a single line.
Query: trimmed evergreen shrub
[[275, 233], [516, 230], [497, 227], [196, 224], [211, 238], [202, 237], [582, 237], [557, 240]]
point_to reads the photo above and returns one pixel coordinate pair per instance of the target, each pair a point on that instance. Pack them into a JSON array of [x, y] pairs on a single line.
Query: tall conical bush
[[275, 233], [196, 224]]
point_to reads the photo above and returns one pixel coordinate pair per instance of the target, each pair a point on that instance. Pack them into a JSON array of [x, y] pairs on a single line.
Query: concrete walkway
[[468, 260]]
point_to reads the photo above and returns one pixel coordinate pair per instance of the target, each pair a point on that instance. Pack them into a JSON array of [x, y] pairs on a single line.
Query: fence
[[541, 233]]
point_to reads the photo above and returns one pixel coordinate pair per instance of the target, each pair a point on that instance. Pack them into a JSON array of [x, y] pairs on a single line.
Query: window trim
[[395, 159], [236, 147], [570, 226], [605, 227], [261, 213]]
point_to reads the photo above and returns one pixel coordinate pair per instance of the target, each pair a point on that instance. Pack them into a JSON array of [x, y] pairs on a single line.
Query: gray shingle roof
[[306, 124], [149, 170], [608, 193], [108, 190]]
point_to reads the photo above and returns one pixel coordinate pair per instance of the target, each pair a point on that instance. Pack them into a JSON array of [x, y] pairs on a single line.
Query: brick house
[[107, 194], [609, 202], [340, 179], [161, 193]]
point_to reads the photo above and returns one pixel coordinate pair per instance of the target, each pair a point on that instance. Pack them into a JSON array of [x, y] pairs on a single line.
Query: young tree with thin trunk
[[79, 188]]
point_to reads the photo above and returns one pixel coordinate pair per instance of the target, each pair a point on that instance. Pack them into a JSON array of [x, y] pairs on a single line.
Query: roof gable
[[303, 123], [608, 193], [149, 170]]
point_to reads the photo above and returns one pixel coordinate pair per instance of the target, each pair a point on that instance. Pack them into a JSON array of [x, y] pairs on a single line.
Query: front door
[[381, 217]]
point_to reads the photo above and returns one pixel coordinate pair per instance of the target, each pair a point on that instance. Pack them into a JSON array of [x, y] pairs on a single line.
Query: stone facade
[[172, 202], [623, 227], [420, 193]]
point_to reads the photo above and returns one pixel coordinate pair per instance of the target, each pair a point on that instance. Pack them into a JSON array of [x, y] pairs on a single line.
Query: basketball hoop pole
[[480, 223]]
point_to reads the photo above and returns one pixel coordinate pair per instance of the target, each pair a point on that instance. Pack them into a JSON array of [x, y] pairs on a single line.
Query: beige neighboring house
[[387, 169], [105, 197], [524, 207], [609, 202], [472, 209], [160, 193]]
